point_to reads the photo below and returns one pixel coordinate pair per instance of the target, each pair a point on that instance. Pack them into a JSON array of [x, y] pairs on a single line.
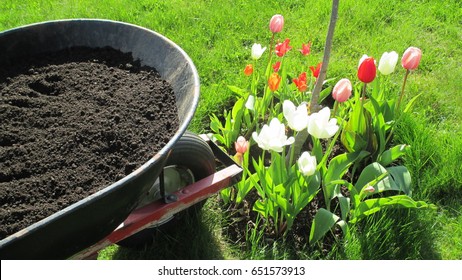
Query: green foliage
[[283, 190], [219, 43]]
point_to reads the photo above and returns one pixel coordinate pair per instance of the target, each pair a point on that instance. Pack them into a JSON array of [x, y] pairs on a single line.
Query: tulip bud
[[369, 189], [411, 58], [388, 62], [367, 70], [276, 23], [342, 90], [248, 70], [241, 145]]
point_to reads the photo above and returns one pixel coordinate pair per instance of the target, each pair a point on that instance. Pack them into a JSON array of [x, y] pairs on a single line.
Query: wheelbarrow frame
[[159, 210]]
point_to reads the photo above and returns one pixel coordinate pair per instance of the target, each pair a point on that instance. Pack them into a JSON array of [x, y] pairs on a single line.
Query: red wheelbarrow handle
[[147, 215]]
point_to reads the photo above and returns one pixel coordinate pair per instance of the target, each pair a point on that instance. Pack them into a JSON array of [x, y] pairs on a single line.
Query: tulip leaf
[[356, 133], [325, 92], [323, 221], [392, 154], [317, 149], [239, 91], [368, 175], [340, 164], [411, 102], [402, 178], [344, 226], [371, 206], [260, 206], [344, 206]]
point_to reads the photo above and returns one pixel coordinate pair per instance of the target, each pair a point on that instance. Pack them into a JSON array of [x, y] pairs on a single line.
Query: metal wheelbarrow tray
[[86, 222]]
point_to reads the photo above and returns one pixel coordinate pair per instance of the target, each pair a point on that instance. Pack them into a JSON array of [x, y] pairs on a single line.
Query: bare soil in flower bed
[[72, 123]]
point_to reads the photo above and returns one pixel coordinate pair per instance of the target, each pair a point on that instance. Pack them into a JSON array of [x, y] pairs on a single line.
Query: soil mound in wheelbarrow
[[72, 123]]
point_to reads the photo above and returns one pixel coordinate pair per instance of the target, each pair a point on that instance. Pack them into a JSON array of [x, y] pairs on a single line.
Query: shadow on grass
[[185, 238], [398, 234]]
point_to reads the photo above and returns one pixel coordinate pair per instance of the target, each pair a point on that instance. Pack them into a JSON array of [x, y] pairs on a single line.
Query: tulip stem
[[271, 48], [335, 108], [402, 89]]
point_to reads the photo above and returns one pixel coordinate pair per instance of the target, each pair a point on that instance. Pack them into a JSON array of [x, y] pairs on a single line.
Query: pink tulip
[[276, 23], [369, 189], [411, 58], [342, 90], [241, 145]]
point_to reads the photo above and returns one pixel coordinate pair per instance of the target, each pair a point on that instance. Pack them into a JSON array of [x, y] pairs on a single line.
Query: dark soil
[[72, 123]]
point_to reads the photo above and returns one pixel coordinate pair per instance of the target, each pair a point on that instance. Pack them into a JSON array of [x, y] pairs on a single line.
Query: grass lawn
[[218, 36]]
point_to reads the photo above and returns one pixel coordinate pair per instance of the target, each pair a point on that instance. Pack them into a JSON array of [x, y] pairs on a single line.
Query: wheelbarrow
[[180, 175]]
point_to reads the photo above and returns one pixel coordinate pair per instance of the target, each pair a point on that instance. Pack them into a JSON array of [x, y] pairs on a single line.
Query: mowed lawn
[[218, 36]]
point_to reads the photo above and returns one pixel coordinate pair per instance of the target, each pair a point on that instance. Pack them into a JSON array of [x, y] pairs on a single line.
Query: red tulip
[[306, 49], [274, 81], [411, 58], [276, 23], [248, 69], [315, 71], [300, 82], [276, 66], [282, 48], [342, 90], [367, 70]]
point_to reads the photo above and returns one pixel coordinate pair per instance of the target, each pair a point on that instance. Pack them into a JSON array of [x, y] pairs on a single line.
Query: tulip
[[300, 82], [241, 145], [362, 59], [248, 69], [369, 189], [411, 58], [320, 126], [250, 103], [272, 137], [276, 23], [276, 66], [315, 71], [367, 70], [282, 48], [257, 51], [297, 118], [388, 62], [306, 49], [307, 164], [410, 61], [342, 90], [274, 81]]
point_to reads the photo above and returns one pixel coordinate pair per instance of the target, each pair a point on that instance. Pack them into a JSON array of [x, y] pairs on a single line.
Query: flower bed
[[305, 163]]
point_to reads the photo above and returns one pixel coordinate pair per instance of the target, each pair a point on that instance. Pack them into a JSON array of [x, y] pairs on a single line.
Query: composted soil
[[72, 123]]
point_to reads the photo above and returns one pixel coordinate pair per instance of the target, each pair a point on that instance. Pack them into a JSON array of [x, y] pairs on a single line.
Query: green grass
[[218, 35]]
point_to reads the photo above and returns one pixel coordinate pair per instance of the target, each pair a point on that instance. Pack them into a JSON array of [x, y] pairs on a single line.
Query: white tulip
[[307, 164], [297, 118], [388, 62], [362, 59], [272, 137], [320, 126], [257, 51], [250, 103]]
